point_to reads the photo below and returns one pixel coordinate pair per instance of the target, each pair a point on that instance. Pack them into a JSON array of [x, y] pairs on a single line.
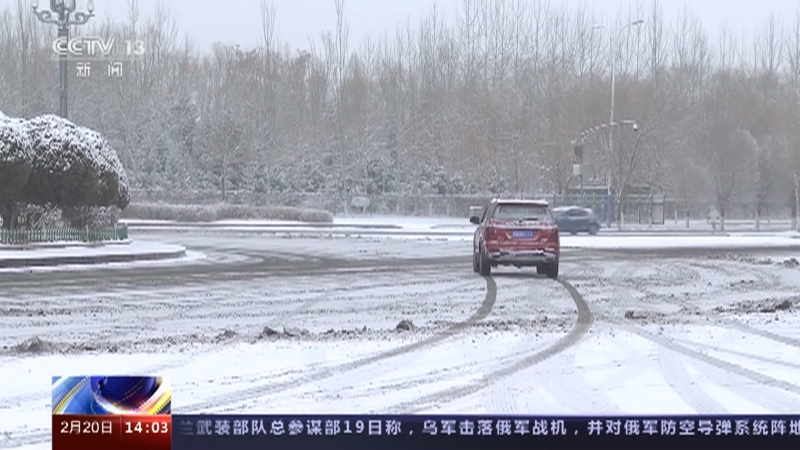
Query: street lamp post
[[62, 13], [578, 146], [615, 32]]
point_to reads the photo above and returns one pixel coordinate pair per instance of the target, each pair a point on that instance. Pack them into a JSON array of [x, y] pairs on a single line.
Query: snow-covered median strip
[[134, 251], [189, 258], [61, 245]]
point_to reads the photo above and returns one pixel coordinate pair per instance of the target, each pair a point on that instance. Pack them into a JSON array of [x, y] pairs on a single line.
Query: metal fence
[[67, 234]]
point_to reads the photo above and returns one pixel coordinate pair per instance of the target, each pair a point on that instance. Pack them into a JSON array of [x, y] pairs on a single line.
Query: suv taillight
[[490, 234], [550, 234]]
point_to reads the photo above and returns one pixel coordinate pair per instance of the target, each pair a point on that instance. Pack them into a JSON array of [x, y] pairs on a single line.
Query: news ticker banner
[[420, 432], [467, 432], [111, 412], [133, 413]]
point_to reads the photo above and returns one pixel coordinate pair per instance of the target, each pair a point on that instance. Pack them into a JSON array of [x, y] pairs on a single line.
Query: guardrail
[[66, 234]]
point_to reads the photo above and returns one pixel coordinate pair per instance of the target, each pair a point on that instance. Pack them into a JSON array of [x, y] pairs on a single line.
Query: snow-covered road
[[265, 324]]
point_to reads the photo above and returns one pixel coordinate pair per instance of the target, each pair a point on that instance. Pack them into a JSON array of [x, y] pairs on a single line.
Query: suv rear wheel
[[552, 270], [484, 265], [476, 261]]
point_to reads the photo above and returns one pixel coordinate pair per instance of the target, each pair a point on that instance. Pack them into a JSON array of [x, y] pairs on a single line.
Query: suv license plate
[[523, 234]]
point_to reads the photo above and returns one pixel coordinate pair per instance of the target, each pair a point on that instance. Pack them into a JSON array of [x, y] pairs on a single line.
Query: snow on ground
[[664, 242], [706, 334]]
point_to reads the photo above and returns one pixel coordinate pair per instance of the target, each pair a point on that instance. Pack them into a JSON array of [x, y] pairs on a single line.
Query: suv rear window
[[520, 212]]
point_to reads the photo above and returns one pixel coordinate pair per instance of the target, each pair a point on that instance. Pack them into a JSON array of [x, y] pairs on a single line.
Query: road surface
[[313, 324]]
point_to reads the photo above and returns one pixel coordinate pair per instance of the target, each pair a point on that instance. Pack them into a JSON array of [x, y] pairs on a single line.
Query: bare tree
[[730, 152], [768, 160], [791, 129], [509, 86]]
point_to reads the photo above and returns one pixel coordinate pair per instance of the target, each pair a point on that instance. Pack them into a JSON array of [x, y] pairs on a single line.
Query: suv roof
[[499, 201], [572, 208]]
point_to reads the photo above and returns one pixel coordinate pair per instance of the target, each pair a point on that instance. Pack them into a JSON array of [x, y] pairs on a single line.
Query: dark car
[[520, 233], [572, 219]]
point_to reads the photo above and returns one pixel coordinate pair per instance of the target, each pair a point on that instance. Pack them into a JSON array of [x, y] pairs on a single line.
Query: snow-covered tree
[[51, 162], [16, 157]]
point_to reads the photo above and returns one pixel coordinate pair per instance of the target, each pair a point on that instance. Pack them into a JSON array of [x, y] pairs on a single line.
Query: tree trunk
[[796, 200], [7, 213], [722, 219], [758, 219], [223, 181]]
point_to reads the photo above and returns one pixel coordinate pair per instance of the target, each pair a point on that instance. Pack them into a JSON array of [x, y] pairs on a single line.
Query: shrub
[[91, 216], [72, 166], [223, 211]]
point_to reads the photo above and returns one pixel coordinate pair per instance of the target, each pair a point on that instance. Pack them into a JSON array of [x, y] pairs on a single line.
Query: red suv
[[518, 233]]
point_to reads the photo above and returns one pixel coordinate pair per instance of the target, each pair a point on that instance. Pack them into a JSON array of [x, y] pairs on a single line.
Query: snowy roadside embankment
[[680, 242], [449, 230]]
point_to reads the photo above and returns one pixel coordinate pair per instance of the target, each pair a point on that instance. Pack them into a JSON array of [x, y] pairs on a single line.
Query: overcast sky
[[239, 21]]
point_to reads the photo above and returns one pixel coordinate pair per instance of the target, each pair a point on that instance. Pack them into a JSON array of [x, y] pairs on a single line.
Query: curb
[[89, 260], [46, 245]]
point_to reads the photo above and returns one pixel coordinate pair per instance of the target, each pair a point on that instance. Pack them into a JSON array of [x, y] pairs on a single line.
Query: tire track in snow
[[764, 359], [9, 402], [208, 302], [726, 322], [502, 397], [207, 308], [758, 394], [263, 264], [762, 277], [675, 373], [581, 327], [570, 388], [409, 360], [671, 366], [261, 390], [674, 370], [633, 366], [330, 383], [718, 318], [550, 376]]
